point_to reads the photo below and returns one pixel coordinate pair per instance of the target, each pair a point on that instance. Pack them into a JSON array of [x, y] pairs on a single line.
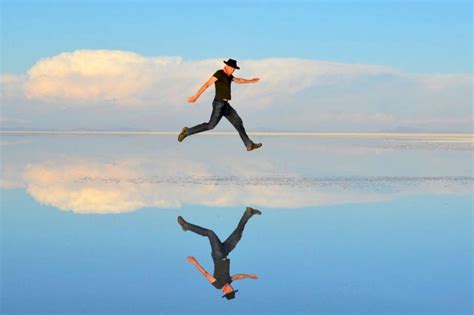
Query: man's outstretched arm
[[206, 274], [243, 276], [240, 80], [209, 82]]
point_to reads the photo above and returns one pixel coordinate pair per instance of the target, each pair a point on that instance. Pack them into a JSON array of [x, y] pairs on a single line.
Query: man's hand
[[255, 80], [191, 260], [253, 276], [192, 99]]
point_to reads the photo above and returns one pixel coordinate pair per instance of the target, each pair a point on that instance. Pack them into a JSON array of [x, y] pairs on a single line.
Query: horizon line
[[255, 133]]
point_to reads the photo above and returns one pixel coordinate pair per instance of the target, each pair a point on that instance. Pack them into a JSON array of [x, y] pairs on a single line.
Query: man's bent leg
[[216, 115], [216, 244], [236, 121], [235, 237]]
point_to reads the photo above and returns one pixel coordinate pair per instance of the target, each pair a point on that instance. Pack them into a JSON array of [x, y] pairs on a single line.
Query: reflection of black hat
[[231, 63], [230, 295]]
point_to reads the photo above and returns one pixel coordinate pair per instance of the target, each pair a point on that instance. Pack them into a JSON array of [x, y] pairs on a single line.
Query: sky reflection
[[123, 174], [349, 226]]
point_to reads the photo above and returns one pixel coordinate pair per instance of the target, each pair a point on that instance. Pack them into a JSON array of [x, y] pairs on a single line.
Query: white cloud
[[123, 174], [126, 185], [95, 76], [89, 187], [131, 79], [442, 82], [67, 186], [11, 86], [293, 94]]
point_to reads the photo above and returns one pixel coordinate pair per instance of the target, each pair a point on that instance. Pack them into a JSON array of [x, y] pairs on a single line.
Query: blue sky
[[343, 66], [419, 36]]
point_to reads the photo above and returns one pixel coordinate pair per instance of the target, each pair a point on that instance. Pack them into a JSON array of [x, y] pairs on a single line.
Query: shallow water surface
[[349, 225]]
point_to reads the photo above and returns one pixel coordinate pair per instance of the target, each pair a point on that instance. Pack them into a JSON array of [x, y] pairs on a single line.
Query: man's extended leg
[[216, 115], [236, 121], [216, 244], [235, 237]]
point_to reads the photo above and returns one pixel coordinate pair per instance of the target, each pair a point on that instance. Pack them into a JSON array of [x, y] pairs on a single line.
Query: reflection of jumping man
[[221, 278], [220, 106]]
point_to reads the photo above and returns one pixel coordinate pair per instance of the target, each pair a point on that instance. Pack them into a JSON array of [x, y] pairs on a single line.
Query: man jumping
[[220, 106], [221, 278]]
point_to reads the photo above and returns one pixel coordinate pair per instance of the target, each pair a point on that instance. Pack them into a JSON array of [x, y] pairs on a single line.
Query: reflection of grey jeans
[[221, 250], [222, 108]]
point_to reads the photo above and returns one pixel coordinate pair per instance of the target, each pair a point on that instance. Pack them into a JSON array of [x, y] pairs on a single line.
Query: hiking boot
[[253, 211], [183, 134], [182, 223], [253, 146]]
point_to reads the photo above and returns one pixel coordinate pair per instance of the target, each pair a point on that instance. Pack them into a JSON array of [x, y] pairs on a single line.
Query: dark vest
[[222, 85], [221, 273]]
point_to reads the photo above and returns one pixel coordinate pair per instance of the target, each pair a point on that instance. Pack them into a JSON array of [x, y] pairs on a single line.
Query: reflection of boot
[[183, 134], [253, 146], [182, 223], [253, 211]]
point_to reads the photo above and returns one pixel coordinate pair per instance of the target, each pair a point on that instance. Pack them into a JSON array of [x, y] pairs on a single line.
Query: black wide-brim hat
[[231, 63], [230, 295]]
